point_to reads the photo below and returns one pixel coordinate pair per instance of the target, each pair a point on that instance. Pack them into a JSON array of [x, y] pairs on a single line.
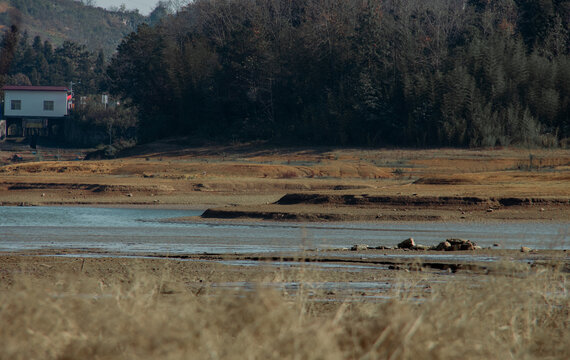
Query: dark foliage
[[371, 73], [405, 72], [26, 61]]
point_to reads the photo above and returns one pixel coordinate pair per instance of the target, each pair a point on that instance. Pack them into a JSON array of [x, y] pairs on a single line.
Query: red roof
[[35, 88]]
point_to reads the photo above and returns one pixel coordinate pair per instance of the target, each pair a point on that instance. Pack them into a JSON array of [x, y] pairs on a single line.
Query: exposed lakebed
[[90, 235]]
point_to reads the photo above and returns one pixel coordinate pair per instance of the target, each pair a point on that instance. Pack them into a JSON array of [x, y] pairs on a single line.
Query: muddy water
[[144, 230]]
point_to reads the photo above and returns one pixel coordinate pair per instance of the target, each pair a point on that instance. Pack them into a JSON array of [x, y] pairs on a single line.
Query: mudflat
[[255, 181]]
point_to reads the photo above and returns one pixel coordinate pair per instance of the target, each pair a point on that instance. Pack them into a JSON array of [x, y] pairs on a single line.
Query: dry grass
[[509, 315]]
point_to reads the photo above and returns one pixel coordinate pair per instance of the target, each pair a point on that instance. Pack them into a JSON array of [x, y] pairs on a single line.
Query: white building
[[35, 110]]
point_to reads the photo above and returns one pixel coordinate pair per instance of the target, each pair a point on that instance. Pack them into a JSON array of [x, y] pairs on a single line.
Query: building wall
[[32, 103]]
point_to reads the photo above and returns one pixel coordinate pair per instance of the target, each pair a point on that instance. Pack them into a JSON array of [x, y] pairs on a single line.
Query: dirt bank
[[366, 207]]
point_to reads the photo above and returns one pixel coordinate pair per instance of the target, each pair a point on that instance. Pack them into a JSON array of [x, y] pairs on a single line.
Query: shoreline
[[341, 215], [110, 205], [482, 259]]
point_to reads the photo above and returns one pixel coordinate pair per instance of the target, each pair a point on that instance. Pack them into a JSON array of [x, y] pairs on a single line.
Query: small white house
[[35, 110]]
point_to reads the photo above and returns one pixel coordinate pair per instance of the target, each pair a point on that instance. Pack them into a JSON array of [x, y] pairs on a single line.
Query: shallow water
[[144, 231], [311, 288]]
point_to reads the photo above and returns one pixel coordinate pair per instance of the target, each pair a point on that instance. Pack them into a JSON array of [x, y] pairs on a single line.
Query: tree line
[[37, 62], [371, 72], [367, 72]]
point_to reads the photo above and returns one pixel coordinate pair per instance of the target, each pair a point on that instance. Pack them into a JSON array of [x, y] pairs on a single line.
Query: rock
[[456, 244], [458, 241], [490, 210], [421, 247], [525, 249], [407, 244], [359, 247], [496, 245], [129, 195], [443, 246], [461, 244]]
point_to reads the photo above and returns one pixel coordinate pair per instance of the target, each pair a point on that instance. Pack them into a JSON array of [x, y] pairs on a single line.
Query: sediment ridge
[[365, 199], [365, 207]]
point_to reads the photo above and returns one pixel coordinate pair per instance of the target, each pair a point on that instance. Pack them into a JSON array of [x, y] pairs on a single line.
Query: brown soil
[[204, 269], [256, 181]]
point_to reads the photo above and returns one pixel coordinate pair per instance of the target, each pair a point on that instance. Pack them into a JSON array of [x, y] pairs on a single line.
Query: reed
[[511, 314]]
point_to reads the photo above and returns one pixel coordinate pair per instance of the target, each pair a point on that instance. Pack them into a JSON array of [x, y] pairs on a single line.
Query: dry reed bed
[[513, 314]]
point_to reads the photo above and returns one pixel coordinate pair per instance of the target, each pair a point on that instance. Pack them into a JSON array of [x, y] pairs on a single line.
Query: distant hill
[[60, 20]]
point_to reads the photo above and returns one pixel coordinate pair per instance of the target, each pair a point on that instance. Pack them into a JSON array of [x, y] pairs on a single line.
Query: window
[[16, 105], [48, 105]]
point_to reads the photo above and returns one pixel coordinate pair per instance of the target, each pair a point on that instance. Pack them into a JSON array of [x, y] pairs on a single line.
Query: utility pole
[[71, 83]]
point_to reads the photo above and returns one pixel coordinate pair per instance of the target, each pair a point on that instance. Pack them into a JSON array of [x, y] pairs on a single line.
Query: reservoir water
[[144, 230]]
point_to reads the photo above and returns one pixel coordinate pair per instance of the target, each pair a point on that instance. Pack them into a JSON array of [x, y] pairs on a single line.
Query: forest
[[37, 62], [474, 73]]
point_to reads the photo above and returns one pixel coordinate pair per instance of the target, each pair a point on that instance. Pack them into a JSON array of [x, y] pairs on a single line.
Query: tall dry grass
[[511, 315]]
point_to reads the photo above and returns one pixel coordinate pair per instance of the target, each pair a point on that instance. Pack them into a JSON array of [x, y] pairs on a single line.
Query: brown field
[[195, 307]]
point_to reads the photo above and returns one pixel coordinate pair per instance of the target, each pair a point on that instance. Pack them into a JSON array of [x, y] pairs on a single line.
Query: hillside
[[60, 20]]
